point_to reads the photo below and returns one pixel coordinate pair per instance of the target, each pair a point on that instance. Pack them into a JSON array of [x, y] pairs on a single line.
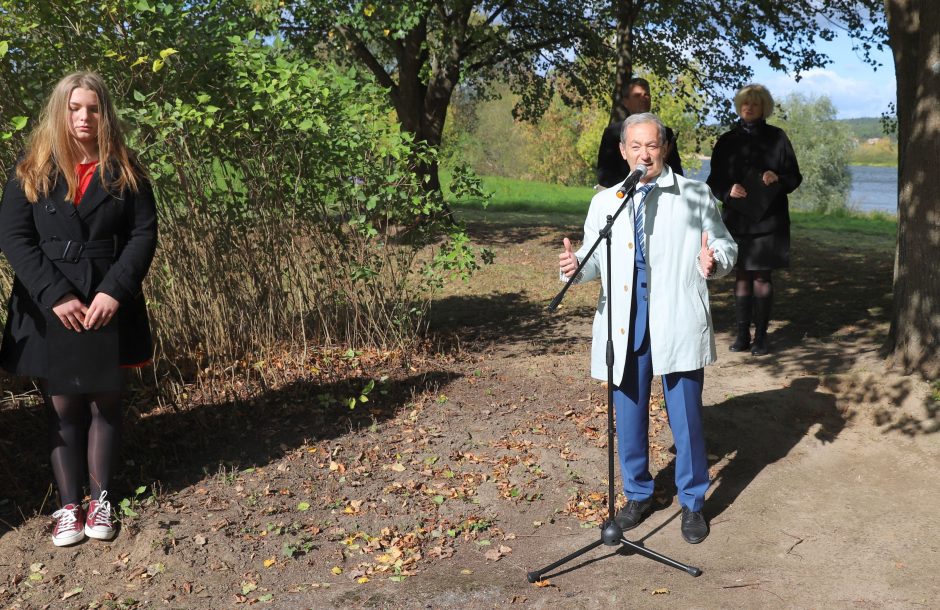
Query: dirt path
[[473, 466]]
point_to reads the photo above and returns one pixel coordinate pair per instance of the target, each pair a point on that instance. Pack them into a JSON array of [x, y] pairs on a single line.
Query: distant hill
[[866, 128]]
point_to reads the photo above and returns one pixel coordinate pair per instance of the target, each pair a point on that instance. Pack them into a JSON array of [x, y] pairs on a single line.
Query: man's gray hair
[[643, 117]]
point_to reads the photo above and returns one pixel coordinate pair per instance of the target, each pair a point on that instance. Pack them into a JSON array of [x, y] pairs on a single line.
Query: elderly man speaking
[[671, 240]]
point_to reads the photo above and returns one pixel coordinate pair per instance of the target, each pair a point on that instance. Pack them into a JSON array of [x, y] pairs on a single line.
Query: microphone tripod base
[[612, 535]]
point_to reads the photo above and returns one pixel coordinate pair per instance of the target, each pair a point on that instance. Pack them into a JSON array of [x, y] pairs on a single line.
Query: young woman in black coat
[[753, 169], [78, 225]]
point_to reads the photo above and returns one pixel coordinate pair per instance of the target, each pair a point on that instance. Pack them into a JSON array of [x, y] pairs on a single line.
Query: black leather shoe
[[760, 347], [694, 526], [743, 340], [633, 513]]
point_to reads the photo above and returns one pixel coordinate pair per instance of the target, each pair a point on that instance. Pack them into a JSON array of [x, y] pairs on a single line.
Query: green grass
[[524, 203], [511, 195], [874, 224], [874, 232], [868, 163]]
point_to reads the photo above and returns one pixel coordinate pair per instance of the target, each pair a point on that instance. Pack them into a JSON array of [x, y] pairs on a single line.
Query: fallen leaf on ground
[[544, 583], [72, 593]]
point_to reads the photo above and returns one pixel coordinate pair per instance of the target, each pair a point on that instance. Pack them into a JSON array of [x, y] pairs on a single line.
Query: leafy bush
[[822, 147]]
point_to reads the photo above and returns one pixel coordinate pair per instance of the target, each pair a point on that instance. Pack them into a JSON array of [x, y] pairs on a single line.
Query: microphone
[[631, 181]]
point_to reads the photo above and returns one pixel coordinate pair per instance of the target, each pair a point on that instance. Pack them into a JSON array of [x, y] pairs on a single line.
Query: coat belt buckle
[[73, 251]]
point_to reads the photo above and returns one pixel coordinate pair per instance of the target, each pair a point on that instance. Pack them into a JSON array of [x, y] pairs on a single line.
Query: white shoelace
[[102, 514], [65, 518]]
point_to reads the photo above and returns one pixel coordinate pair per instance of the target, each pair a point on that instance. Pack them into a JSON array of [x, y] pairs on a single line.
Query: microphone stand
[[611, 533]]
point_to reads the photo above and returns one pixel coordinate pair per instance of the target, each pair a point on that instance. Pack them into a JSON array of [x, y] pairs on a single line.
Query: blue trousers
[[683, 393]]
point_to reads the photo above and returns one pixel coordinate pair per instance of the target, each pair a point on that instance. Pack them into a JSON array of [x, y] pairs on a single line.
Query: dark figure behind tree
[[612, 169], [753, 169]]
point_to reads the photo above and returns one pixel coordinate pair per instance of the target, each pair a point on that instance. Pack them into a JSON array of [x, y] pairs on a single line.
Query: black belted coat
[[105, 244]]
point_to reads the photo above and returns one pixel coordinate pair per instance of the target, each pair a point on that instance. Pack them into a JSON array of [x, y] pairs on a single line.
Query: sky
[[855, 88]]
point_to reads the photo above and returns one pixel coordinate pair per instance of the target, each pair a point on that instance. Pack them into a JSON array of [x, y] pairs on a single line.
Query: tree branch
[[363, 52], [499, 56]]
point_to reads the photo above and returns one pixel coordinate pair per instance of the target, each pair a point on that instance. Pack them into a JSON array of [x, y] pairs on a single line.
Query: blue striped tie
[[638, 218]]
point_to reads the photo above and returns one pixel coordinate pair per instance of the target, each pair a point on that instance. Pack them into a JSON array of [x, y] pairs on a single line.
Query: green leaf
[[438, 500], [140, 97], [4, 47], [167, 52], [157, 65], [266, 597], [303, 506], [19, 122]]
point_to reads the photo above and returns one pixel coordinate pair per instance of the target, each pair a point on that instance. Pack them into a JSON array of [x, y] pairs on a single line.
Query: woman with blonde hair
[[78, 225], [753, 169]]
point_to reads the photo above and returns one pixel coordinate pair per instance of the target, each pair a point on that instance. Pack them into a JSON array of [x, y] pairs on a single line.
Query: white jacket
[[677, 212]]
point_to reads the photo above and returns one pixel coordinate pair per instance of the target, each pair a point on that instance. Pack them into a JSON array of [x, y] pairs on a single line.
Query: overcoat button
[[50, 208], [630, 246], [623, 332]]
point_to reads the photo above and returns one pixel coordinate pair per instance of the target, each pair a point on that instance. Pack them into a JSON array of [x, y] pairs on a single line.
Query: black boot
[[742, 312], [761, 320]]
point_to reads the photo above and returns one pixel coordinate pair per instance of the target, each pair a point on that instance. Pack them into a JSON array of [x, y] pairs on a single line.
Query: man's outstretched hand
[[706, 256], [567, 261]]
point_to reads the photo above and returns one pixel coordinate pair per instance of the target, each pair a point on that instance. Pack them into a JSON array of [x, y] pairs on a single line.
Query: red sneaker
[[68, 525], [99, 524]]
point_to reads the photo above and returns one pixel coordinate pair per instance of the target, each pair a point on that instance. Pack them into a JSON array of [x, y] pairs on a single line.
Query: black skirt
[[763, 251]]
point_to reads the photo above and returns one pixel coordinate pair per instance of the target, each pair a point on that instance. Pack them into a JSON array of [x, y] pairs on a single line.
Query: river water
[[873, 188]]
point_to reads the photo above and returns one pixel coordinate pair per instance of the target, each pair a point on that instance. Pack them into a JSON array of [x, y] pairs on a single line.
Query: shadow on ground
[[179, 448], [819, 298], [753, 431], [756, 430]]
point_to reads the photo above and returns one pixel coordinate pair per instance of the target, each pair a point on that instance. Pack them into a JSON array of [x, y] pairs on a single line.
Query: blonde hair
[[52, 152], [755, 93]]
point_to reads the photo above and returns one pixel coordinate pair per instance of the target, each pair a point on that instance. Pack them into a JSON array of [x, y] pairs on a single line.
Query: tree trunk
[[422, 107], [626, 17], [914, 37]]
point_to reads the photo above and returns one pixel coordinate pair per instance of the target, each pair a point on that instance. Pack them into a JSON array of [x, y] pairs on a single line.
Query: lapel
[[660, 196], [62, 211], [95, 194]]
